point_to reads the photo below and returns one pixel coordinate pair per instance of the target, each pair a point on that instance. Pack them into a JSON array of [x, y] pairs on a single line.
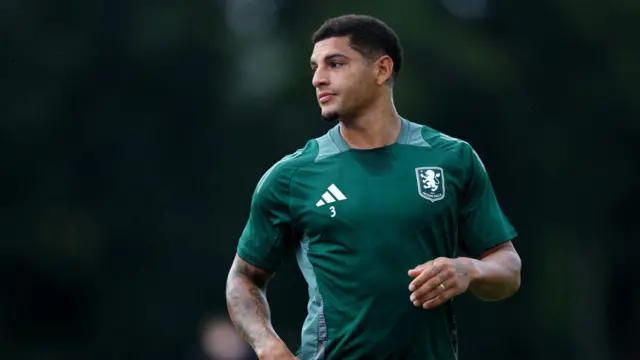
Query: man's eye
[[335, 64]]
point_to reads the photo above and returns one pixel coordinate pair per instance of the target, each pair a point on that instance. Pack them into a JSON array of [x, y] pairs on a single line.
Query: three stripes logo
[[332, 194]]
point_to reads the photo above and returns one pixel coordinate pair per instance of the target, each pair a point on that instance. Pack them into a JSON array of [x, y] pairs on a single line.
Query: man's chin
[[330, 116]]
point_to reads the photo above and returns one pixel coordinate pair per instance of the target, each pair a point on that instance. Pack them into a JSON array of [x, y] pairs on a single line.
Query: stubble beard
[[340, 115], [335, 116], [331, 117], [345, 114]]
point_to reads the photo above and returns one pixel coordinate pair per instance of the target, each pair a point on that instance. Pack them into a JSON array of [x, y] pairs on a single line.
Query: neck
[[378, 126]]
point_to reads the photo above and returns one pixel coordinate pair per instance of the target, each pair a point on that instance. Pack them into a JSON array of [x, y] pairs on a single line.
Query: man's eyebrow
[[331, 57]]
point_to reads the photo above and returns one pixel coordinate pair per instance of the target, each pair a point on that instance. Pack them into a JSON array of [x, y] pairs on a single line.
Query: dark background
[[132, 134]]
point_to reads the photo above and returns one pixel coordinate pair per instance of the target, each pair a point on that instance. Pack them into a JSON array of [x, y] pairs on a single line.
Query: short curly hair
[[368, 35]]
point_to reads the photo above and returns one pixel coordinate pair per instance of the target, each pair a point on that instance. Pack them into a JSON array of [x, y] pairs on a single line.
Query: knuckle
[[451, 272]]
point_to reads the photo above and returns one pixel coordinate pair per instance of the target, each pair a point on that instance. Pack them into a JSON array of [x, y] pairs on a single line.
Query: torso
[[367, 217]]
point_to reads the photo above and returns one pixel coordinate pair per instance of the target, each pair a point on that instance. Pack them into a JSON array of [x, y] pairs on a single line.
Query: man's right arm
[[246, 295], [267, 236]]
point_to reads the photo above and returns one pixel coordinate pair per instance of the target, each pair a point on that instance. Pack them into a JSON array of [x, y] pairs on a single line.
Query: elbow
[[514, 285], [236, 283], [229, 288], [513, 281], [497, 293], [517, 278]]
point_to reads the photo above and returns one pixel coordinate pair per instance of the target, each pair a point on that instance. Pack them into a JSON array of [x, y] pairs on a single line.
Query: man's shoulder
[[303, 156], [280, 172], [439, 140], [464, 154]]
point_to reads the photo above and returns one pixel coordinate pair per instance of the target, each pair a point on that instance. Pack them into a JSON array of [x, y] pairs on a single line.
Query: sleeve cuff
[[254, 260]]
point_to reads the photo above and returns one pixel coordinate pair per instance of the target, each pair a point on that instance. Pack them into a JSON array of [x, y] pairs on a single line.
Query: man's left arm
[[496, 274], [493, 276], [492, 270]]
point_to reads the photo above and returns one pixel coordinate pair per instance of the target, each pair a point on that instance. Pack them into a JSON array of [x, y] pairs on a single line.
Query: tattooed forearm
[[248, 307]]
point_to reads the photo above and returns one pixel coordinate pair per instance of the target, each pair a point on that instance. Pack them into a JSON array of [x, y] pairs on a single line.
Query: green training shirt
[[359, 220]]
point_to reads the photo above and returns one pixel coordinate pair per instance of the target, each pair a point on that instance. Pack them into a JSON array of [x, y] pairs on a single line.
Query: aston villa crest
[[430, 183]]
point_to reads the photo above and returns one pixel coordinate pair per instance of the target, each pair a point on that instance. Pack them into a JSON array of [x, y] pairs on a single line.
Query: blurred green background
[[132, 134]]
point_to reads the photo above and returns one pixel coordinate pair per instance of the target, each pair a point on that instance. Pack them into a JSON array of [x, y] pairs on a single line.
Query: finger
[[432, 287], [423, 277], [415, 272], [449, 285], [440, 299], [418, 269]]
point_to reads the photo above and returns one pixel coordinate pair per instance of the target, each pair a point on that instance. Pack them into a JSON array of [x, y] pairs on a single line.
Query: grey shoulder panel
[[330, 144], [414, 134], [326, 148]]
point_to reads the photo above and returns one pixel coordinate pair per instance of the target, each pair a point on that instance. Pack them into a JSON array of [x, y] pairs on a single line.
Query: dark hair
[[369, 36]]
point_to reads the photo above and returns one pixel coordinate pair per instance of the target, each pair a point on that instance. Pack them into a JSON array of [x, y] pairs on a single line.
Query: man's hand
[[437, 281]]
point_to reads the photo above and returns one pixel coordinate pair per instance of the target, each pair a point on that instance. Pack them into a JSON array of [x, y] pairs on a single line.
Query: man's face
[[344, 80]]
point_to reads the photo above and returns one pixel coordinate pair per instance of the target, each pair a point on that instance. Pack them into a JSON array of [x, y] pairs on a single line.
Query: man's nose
[[319, 79]]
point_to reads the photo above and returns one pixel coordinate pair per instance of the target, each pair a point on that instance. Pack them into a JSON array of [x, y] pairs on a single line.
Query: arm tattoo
[[247, 304]]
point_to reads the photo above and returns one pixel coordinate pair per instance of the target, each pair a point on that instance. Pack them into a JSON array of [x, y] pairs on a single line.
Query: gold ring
[[442, 286]]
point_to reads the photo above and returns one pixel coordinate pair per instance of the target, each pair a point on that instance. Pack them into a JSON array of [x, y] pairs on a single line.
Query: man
[[376, 209]]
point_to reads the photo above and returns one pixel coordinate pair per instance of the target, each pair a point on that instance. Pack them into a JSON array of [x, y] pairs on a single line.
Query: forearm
[[496, 276], [249, 311]]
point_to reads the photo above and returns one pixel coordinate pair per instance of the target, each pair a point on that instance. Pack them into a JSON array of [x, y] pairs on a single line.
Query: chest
[[381, 192]]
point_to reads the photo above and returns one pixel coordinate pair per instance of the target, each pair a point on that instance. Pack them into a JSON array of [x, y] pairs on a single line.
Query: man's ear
[[383, 69]]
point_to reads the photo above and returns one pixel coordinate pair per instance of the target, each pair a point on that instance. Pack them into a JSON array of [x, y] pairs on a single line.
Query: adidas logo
[[332, 195]]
